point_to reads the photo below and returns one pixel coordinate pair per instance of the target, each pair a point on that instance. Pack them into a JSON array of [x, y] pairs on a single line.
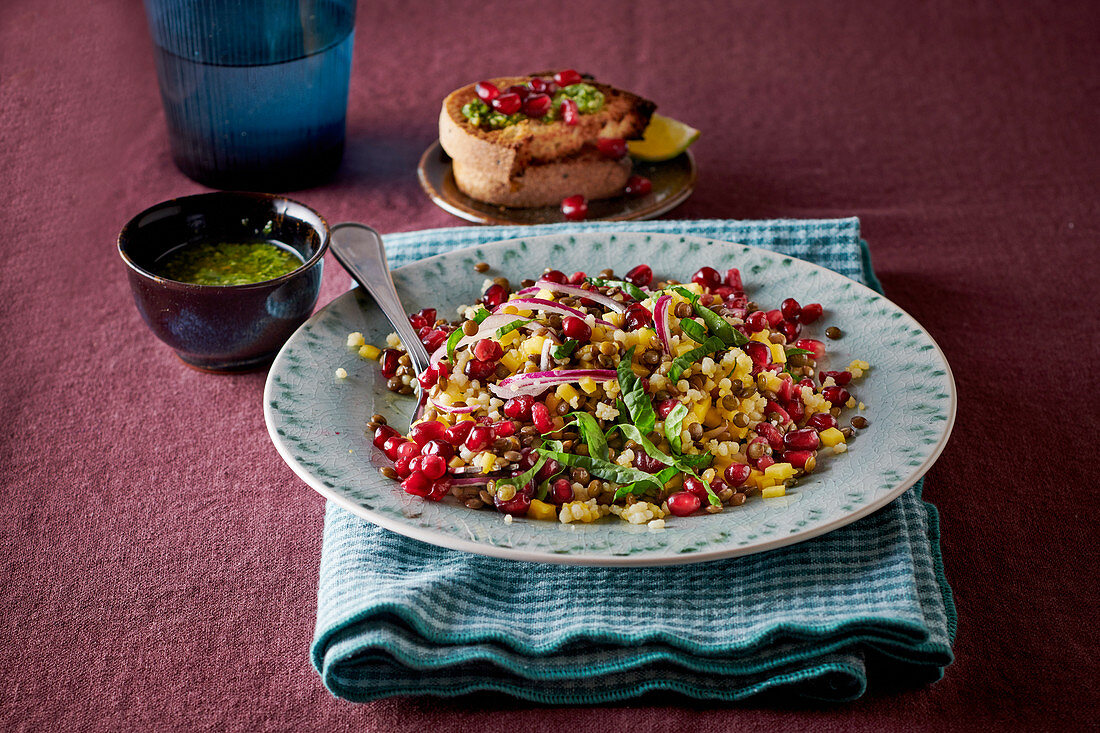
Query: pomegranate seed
[[708, 277], [810, 313], [480, 438], [417, 484], [638, 186], [487, 91], [645, 462], [770, 433], [494, 296], [683, 503], [527, 458], [540, 416], [504, 429], [813, 345], [519, 407], [569, 112], [440, 488], [521, 90], [724, 291], [790, 329], [806, 382], [611, 147], [695, 486], [538, 86], [764, 462], [408, 449], [391, 445], [786, 389], [555, 276], [637, 316], [796, 410], [756, 321], [840, 378], [428, 314], [548, 469], [457, 433], [418, 323], [775, 408], [640, 275], [428, 377], [388, 362], [821, 421], [717, 485], [434, 339], [488, 350], [537, 105], [577, 329], [758, 352], [480, 370], [561, 491], [802, 439], [438, 447], [575, 208], [664, 407], [836, 395], [382, 434], [517, 506], [402, 466], [733, 279], [422, 432], [507, 104], [565, 77], [799, 459], [736, 474], [790, 308], [433, 466], [774, 317], [577, 278]]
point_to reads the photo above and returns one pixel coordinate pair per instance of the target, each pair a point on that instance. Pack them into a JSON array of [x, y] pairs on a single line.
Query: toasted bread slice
[[534, 163]]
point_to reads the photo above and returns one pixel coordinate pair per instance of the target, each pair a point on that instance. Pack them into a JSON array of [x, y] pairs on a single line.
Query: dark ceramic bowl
[[224, 328]]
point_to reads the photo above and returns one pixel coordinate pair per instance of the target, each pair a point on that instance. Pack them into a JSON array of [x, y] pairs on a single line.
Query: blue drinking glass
[[255, 91]]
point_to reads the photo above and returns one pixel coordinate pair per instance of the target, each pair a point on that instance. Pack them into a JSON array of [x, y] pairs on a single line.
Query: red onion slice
[[538, 304], [660, 321], [487, 326], [459, 409], [536, 383], [579, 293]]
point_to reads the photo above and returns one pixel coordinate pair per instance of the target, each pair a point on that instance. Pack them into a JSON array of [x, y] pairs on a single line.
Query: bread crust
[[532, 163]]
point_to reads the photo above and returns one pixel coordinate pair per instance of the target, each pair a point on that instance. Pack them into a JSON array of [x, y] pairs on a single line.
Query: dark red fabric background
[[159, 562]]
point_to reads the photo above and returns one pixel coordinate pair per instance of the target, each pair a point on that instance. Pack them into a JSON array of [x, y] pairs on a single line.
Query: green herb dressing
[[227, 263]]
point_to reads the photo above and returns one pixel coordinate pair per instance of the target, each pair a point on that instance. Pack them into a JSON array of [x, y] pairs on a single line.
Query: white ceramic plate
[[318, 423]]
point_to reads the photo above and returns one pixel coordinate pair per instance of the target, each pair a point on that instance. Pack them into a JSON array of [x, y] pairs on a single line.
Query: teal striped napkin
[[814, 620]]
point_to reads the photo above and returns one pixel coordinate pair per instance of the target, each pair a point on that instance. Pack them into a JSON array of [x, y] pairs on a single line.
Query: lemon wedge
[[664, 139]]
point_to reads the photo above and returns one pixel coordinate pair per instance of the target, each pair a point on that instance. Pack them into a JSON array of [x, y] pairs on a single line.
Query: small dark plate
[[673, 181]]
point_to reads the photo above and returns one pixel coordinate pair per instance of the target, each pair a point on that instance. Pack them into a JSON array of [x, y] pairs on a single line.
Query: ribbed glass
[[255, 91]]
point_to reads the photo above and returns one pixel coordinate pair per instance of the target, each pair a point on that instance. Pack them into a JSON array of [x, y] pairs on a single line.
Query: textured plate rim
[[440, 538], [478, 217]]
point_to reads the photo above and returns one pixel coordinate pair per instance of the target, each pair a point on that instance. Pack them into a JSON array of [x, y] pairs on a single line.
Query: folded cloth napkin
[[399, 617]]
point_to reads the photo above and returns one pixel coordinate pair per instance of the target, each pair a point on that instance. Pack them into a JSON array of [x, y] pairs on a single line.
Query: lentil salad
[[576, 397]]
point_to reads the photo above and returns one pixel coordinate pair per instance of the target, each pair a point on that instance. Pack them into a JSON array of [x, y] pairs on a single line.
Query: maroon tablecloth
[[159, 562]]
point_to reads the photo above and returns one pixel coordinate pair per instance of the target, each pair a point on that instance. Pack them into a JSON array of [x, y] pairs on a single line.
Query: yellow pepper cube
[[684, 346], [511, 361], [542, 510], [701, 408], [831, 437], [510, 310], [779, 356], [588, 384], [486, 460], [544, 295], [533, 345], [773, 491], [762, 337], [567, 393], [779, 471], [369, 351], [510, 338], [713, 418], [772, 382]]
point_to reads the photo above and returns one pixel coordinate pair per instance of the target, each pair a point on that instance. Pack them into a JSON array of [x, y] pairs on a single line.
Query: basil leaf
[[674, 423], [696, 460], [712, 345], [480, 315], [543, 489], [509, 327], [526, 477], [663, 476], [565, 350], [634, 395], [603, 469], [452, 342], [633, 433], [629, 288], [716, 324], [793, 352], [591, 434], [694, 329]]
